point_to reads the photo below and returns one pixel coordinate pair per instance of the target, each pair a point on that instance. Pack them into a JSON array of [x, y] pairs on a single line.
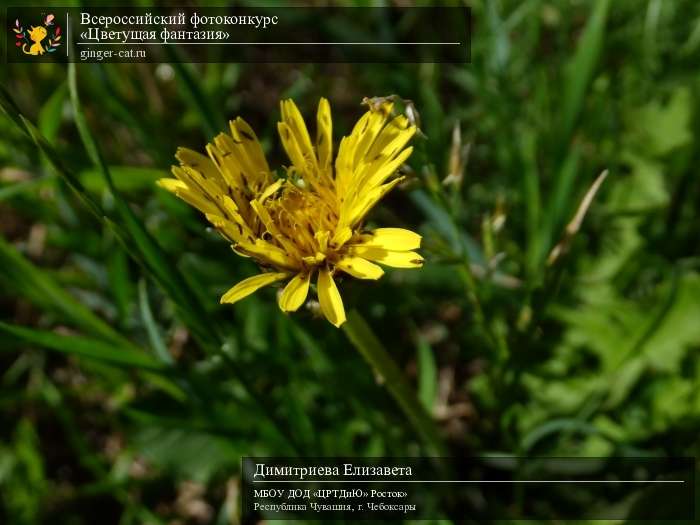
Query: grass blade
[[49, 120], [582, 67], [427, 374], [533, 204], [195, 97], [152, 329], [41, 289], [559, 206], [82, 347], [151, 254], [10, 108]]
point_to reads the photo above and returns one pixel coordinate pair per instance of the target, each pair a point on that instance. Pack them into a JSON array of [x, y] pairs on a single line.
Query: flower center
[[304, 223]]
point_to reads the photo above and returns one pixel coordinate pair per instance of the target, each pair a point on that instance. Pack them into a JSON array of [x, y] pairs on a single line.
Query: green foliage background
[[128, 394]]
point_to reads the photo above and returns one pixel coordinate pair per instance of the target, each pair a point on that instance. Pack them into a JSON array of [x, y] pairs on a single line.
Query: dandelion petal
[[294, 294], [329, 297], [360, 268], [395, 239], [251, 285], [324, 134], [396, 259]]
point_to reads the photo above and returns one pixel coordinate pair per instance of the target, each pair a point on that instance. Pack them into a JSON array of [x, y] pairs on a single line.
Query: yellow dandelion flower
[[312, 220]]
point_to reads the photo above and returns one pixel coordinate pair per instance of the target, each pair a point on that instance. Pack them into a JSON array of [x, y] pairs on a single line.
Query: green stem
[[366, 342]]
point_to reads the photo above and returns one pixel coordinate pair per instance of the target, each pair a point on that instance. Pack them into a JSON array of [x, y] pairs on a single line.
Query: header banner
[[233, 34]]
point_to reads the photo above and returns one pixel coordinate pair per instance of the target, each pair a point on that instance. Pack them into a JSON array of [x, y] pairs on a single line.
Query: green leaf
[[660, 127], [181, 452], [658, 341], [679, 329], [555, 426]]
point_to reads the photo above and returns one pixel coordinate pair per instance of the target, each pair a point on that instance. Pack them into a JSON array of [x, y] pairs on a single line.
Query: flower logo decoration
[[37, 40]]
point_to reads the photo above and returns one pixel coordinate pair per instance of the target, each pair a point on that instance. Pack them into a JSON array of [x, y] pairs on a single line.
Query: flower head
[[309, 222]]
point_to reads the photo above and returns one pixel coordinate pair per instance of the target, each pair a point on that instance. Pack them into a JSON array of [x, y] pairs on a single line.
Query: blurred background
[[128, 394]]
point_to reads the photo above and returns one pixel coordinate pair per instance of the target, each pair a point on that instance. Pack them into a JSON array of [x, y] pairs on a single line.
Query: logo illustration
[[38, 40]]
